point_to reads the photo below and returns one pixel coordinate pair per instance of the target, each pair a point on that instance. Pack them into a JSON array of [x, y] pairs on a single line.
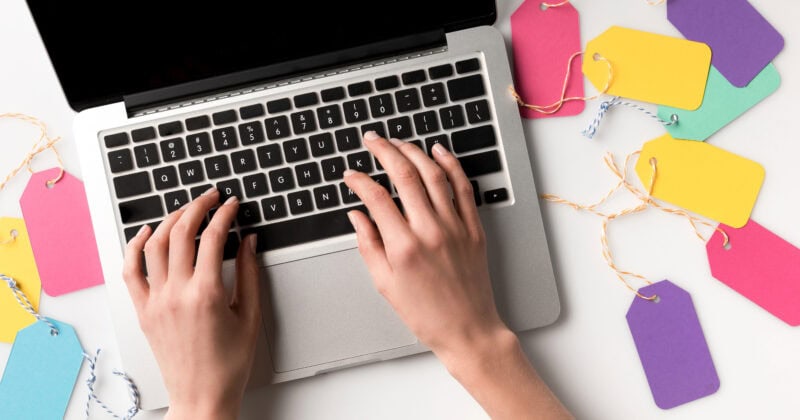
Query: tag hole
[[543, 6], [657, 299], [14, 233], [49, 184], [727, 246], [673, 118], [597, 56], [53, 332], [653, 161]]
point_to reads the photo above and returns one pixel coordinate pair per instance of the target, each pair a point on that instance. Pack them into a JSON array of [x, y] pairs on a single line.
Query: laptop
[[268, 101]]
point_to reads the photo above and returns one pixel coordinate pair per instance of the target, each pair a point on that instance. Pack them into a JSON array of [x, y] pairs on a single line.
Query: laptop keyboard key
[[133, 184], [217, 167], [407, 100], [307, 174], [481, 163], [385, 83], [321, 144], [476, 192], [473, 139], [175, 200], [228, 189], [348, 139], [198, 144], [165, 178], [251, 133], [224, 117], [120, 161], [198, 123], [146, 155], [381, 105], [195, 192], [248, 214], [332, 94], [191, 172], [433, 95], [440, 72], [467, 66], [243, 161], [478, 112], [269, 156], [326, 197], [143, 134], [329, 116], [302, 230], [414, 77], [440, 139], [426, 123], [300, 202], [466, 87], [383, 181], [281, 179], [173, 149], [142, 209], [333, 168], [361, 161], [116, 140], [170, 129], [255, 185], [496, 196], [279, 105], [277, 127], [231, 246], [304, 122], [400, 128], [452, 117], [251, 111], [361, 88], [295, 150], [355, 111], [224, 138], [306, 99], [274, 208], [376, 127], [348, 196]]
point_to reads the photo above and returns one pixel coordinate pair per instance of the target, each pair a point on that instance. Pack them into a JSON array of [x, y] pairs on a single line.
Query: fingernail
[[210, 191], [396, 143], [142, 230], [251, 244], [440, 150], [232, 199], [348, 172], [353, 222], [371, 135]]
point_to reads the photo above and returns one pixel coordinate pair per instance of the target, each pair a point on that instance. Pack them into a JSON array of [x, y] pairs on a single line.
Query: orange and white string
[[645, 201]]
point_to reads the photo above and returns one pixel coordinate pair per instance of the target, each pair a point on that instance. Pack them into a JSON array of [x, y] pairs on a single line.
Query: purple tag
[[672, 346], [741, 40]]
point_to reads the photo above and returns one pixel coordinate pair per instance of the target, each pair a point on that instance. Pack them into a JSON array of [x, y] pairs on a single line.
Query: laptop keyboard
[[284, 158]]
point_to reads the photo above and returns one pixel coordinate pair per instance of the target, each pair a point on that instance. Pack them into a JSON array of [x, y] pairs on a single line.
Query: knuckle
[[214, 233], [406, 173], [155, 243], [465, 188], [377, 193], [437, 176], [180, 230]]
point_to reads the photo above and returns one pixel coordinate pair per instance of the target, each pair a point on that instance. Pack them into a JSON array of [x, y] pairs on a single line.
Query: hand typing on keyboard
[[203, 340]]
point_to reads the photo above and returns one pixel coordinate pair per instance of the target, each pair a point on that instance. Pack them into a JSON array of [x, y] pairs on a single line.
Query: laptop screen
[[103, 50]]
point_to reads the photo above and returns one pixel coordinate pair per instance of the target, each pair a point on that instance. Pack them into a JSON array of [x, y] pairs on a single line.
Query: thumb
[[246, 293]]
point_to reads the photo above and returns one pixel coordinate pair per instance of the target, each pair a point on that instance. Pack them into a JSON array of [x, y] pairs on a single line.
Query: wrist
[[202, 411], [479, 354]]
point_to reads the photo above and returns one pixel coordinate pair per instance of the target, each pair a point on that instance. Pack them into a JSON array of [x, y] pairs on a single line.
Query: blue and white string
[[591, 130], [133, 391]]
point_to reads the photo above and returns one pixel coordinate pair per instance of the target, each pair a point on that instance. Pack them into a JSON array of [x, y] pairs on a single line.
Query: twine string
[[45, 142]]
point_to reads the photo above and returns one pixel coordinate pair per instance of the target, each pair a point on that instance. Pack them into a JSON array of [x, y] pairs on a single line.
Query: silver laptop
[[268, 101]]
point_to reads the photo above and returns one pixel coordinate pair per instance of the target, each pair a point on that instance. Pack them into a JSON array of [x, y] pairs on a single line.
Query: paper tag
[[672, 346], [722, 104], [702, 178], [742, 40], [61, 233], [649, 67], [761, 266], [543, 42], [17, 262], [40, 373]]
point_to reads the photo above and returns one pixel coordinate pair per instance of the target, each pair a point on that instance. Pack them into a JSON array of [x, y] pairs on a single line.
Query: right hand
[[430, 264]]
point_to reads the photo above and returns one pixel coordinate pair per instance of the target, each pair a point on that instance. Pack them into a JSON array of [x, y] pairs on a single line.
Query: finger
[[132, 271], [391, 222], [462, 189], [246, 297], [433, 177], [182, 236], [212, 241], [403, 174], [370, 245], [156, 250]]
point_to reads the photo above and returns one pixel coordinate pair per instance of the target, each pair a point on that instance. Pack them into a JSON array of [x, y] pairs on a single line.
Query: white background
[[587, 357]]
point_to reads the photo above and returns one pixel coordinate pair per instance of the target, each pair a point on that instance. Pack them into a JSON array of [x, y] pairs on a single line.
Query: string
[[44, 142], [591, 130], [12, 237], [133, 390], [556, 106], [646, 201]]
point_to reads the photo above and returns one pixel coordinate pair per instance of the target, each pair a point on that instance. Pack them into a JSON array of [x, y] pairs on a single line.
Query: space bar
[[303, 230]]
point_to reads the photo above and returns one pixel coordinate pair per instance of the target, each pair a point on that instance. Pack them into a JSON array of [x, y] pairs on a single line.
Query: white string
[[591, 130]]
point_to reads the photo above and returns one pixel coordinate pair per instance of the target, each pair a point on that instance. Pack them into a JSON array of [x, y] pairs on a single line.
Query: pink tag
[[61, 233], [543, 41], [760, 266]]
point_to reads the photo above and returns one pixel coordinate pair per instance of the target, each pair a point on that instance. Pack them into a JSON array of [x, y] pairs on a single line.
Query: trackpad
[[326, 309]]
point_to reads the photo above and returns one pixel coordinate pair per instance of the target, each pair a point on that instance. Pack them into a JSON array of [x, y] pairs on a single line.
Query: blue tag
[[41, 372]]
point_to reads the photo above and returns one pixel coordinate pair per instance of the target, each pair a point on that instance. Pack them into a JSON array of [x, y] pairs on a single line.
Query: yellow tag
[[17, 262], [649, 67], [702, 178]]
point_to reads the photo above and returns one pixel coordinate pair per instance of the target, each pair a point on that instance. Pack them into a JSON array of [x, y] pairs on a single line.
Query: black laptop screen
[[103, 50]]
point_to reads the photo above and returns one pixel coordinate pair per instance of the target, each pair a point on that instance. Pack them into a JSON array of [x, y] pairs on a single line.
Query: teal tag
[[722, 104], [41, 372]]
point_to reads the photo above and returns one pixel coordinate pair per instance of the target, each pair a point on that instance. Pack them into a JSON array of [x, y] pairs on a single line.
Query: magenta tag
[[761, 266], [671, 346], [742, 41], [61, 233]]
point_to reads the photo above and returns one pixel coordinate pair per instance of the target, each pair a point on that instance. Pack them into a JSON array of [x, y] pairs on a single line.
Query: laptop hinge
[[181, 93]]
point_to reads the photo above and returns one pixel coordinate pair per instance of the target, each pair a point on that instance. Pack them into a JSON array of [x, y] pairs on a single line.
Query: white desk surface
[[587, 357]]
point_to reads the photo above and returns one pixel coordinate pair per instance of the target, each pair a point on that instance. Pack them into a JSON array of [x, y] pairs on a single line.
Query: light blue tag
[[723, 103], [41, 372]]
